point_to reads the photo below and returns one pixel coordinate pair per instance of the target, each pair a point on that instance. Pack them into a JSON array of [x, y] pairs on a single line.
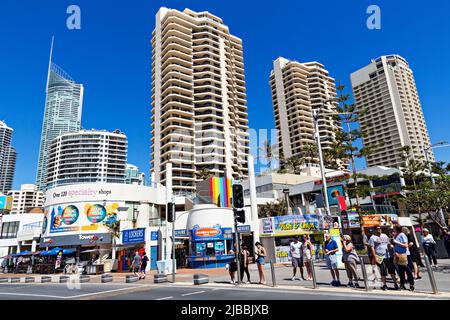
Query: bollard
[[131, 278], [29, 279], [84, 278], [431, 276], [272, 270], [200, 279], [14, 280], [46, 279], [313, 270], [364, 272], [3, 280], [106, 277]]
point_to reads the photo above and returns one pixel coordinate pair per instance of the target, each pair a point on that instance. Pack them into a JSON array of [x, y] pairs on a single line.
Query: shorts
[[390, 265], [260, 261], [383, 268], [136, 269], [233, 267], [331, 261], [297, 262]]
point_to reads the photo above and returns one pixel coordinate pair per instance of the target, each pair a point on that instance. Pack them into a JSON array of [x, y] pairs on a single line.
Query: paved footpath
[[219, 280]]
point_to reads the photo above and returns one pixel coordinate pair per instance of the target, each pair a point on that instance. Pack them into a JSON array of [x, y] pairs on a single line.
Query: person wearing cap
[[379, 246], [429, 245], [330, 249]]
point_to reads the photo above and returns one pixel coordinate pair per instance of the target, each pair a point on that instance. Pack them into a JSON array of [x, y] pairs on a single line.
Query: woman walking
[[350, 258], [243, 263], [232, 268], [260, 261], [307, 255], [429, 246]]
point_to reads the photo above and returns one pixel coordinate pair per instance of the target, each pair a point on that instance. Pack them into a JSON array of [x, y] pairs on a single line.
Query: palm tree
[[272, 209], [114, 230], [294, 164], [310, 151]]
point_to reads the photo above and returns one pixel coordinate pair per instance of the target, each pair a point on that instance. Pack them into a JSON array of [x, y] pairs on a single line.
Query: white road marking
[[31, 295], [166, 298], [192, 293], [100, 292]]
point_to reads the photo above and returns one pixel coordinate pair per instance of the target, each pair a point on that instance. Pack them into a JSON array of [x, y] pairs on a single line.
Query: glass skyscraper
[[7, 158], [63, 106]]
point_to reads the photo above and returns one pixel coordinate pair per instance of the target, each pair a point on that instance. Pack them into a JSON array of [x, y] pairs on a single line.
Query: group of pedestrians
[[301, 254], [244, 260], [139, 265]]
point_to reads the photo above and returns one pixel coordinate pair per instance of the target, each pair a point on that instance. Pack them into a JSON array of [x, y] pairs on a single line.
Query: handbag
[[379, 259], [401, 259]]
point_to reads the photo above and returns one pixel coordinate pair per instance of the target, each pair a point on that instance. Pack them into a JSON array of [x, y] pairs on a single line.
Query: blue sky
[[111, 56]]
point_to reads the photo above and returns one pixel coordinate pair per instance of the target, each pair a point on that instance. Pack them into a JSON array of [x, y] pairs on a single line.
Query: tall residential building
[[7, 158], [63, 106], [298, 89], [199, 112], [392, 117], [87, 156], [28, 197], [134, 176]]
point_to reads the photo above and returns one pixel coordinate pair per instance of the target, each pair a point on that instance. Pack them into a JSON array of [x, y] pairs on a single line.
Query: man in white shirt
[[297, 258]]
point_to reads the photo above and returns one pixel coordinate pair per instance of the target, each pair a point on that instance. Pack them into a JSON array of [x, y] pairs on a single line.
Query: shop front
[[133, 241], [278, 232], [211, 237]]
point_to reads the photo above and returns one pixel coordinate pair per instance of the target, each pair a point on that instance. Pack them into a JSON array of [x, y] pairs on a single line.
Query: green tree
[[272, 209], [294, 164], [204, 173]]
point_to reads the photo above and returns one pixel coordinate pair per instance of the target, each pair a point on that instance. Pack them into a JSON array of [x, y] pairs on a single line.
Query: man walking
[[297, 258], [136, 264], [331, 248]]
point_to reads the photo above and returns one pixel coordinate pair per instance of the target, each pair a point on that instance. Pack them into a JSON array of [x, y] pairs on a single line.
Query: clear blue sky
[[111, 56]]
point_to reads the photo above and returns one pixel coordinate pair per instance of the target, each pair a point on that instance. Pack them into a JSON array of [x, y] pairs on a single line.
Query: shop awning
[[52, 252], [23, 253]]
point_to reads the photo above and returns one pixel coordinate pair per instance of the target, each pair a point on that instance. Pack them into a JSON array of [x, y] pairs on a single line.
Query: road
[[119, 291]]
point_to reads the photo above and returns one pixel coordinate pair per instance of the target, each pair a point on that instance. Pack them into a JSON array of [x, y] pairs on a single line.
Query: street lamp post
[[322, 166], [433, 182]]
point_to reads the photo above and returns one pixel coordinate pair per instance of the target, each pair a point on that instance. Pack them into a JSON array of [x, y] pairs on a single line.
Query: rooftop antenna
[[50, 61]]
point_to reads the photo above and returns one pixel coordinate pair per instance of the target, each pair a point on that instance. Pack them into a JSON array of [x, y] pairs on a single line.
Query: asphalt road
[[93, 291]]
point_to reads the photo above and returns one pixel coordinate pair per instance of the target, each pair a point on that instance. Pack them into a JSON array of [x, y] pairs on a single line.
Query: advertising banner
[[75, 240], [375, 220], [283, 254], [80, 217], [289, 225]]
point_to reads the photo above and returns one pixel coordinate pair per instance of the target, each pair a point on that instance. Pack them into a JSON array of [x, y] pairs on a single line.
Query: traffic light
[[239, 215], [238, 196], [170, 212]]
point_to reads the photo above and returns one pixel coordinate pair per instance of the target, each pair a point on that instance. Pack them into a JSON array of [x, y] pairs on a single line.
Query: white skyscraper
[[392, 116], [297, 89], [7, 158], [87, 156], [63, 106], [28, 197], [199, 106]]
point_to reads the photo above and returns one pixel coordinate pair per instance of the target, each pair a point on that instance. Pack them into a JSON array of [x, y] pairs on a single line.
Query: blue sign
[[245, 228], [133, 236], [154, 236], [181, 233], [210, 233]]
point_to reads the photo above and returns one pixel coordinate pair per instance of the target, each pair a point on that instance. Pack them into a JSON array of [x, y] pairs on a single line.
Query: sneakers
[[338, 283], [293, 279], [402, 287], [232, 281], [333, 283], [411, 288], [350, 284], [357, 285], [396, 286], [384, 287]]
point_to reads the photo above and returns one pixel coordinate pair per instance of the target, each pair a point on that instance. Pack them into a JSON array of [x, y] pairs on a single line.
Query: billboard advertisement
[[6, 203], [334, 193], [289, 225], [80, 217]]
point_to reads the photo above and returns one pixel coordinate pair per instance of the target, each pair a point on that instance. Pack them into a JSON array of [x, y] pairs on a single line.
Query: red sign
[[206, 232]]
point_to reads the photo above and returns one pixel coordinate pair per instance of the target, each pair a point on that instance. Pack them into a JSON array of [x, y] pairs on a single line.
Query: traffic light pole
[[174, 262]]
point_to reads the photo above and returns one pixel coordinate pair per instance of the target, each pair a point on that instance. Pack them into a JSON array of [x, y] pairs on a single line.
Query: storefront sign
[[154, 235], [181, 233], [334, 193], [267, 225], [133, 236], [245, 228], [211, 233], [75, 240]]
